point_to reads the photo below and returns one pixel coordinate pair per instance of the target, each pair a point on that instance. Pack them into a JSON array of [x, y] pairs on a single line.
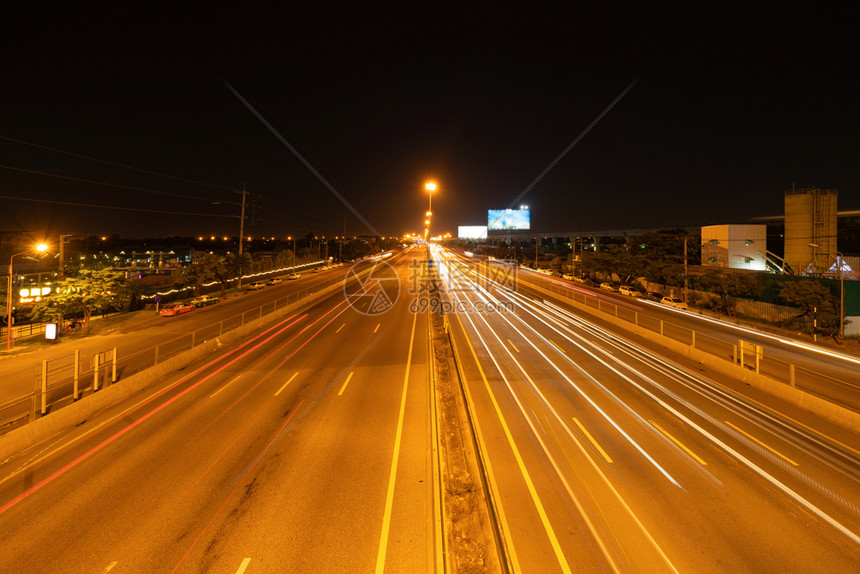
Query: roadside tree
[[91, 291]]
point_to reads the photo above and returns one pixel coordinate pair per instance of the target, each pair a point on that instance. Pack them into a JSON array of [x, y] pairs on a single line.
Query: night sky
[[729, 108]]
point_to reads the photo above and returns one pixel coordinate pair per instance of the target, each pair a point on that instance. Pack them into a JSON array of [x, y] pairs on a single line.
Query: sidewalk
[[26, 348]]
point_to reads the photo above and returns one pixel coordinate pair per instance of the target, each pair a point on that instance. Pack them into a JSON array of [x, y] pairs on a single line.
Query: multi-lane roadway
[[309, 448]]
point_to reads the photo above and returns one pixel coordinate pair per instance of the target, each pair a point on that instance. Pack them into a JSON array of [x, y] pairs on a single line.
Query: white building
[[735, 246]]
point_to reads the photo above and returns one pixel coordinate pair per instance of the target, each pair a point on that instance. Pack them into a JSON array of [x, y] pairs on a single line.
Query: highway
[[607, 457], [136, 341], [819, 370], [304, 449], [308, 448]]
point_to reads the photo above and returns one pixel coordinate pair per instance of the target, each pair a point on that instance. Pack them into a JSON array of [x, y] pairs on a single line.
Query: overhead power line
[[134, 188], [42, 132], [115, 164], [115, 207]]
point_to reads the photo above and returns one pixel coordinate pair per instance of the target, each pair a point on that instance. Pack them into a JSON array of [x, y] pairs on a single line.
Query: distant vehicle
[[204, 300], [319, 269], [556, 274], [653, 295], [256, 285], [673, 302], [569, 277], [544, 270], [273, 281], [607, 286], [590, 282], [176, 309], [292, 276], [626, 290]]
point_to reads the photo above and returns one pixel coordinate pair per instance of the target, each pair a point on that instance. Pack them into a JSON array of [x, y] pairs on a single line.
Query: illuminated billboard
[[508, 219], [472, 232]]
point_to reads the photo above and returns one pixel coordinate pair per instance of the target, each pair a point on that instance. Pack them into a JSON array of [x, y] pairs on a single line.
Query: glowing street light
[[430, 186], [40, 248]]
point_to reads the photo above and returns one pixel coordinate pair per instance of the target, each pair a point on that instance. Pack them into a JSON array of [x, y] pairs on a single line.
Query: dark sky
[[730, 107]]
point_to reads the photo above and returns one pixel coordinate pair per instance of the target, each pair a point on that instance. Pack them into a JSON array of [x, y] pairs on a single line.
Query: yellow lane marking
[[341, 327], [377, 327], [591, 438], [345, 383], [109, 567], [788, 418], [556, 546], [243, 566], [233, 380], [677, 442], [389, 497], [554, 344], [752, 438], [290, 380], [514, 346]]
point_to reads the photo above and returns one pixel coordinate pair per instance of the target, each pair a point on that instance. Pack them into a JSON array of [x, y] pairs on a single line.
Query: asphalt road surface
[[608, 457], [307, 448]]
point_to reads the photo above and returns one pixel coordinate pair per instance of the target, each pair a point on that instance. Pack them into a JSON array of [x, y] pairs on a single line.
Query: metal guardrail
[[70, 377], [845, 393]]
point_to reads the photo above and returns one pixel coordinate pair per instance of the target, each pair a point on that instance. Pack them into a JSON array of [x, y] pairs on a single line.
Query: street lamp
[[430, 186], [294, 250], [40, 247]]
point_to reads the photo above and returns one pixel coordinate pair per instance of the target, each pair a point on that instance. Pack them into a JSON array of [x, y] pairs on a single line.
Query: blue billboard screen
[[508, 219]]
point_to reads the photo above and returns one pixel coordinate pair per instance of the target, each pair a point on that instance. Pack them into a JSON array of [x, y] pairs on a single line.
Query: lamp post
[[839, 258], [294, 251], [40, 247], [430, 186]]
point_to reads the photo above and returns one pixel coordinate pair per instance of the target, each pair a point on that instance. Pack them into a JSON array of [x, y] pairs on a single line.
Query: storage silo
[[810, 229]]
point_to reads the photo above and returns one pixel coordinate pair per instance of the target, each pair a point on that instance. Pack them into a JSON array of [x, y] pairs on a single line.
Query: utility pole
[[536, 253], [61, 271], [342, 239], [242, 234], [685, 269]]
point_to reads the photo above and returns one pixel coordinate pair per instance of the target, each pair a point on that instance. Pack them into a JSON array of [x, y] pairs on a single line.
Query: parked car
[[273, 281], [627, 290], [607, 286], [568, 276], [256, 285], [293, 276], [172, 309], [654, 295], [204, 300], [673, 302]]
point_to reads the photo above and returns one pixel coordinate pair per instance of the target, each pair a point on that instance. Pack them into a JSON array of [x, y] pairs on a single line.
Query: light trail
[[747, 462], [586, 514]]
